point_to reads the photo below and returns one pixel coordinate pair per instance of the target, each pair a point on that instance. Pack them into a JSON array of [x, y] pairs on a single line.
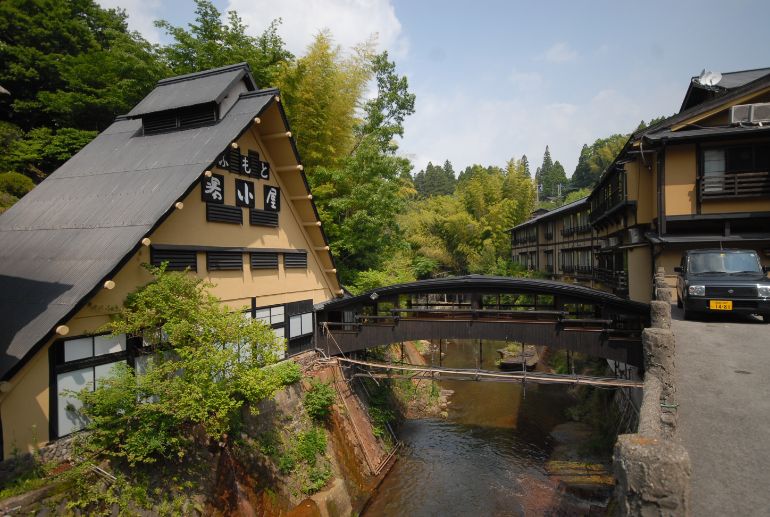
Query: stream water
[[487, 458]]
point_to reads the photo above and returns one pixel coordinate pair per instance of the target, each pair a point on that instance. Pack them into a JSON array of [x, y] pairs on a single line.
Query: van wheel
[[766, 318], [678, 301]]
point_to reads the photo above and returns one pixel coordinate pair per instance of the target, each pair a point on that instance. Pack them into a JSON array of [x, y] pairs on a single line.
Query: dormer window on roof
[[182, 118], [193, 100]]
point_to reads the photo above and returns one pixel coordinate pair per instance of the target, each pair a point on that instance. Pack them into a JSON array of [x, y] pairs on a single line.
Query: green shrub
[[287, 463], [317, 478], [319, 400], [15, 184], [288, 372], [310, 444], [192, 382]]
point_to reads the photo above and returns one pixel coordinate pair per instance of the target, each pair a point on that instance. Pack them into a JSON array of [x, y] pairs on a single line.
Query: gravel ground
[[723, 374]]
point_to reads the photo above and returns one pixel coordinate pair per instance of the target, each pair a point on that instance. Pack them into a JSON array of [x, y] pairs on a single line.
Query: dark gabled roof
[[697, 93], [551, 213], [193, 89], [78, 227]]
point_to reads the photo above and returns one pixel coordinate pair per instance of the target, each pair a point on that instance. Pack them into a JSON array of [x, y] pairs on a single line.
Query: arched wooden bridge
[[538, 312]]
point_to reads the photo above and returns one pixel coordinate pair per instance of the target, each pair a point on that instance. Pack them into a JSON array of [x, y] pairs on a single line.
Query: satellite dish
[[708, 78]]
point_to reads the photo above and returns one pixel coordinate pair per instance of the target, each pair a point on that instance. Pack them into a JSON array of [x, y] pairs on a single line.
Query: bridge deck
[[539, 312]]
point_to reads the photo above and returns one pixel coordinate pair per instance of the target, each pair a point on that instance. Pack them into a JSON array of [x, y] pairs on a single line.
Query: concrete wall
[[651, 468]]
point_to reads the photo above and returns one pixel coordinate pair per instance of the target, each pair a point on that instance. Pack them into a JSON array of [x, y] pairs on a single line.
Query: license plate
[[720, 305]]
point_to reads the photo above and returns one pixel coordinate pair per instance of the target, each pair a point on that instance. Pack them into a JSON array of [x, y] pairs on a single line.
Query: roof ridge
[[205, 73], [739, 71]]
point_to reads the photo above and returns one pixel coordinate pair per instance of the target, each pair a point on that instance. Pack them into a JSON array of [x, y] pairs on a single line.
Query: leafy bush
[[15, 184], [310, 444], [319, 400], [288, 372], [194, 379], [317, 478]]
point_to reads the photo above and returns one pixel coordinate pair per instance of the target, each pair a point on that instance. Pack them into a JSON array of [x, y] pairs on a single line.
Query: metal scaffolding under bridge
[[537, 312]]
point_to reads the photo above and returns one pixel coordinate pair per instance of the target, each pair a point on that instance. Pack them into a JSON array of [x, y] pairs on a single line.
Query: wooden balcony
[[735, 185]]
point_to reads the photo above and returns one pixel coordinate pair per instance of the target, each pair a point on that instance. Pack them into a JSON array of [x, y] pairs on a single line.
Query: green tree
[[358, 203], [42, 150], [435, 180], [577, 194], [582, 177], [206, 363], [358, 194], [322, 91], [550, 175], [70, 63], [208, 43]]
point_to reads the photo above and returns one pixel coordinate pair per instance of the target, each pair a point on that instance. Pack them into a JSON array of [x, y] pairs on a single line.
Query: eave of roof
[[552, 213], [705, 133], [692, 239]]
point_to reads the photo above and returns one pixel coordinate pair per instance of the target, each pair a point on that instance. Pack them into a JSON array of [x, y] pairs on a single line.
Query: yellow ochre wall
[[680, 175], [25, 408], [640, 274]]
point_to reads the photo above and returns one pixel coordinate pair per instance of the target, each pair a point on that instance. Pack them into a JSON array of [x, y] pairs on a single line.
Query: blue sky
[[497, 79]]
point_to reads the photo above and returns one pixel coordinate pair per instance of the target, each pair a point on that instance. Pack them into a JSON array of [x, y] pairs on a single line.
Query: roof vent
[[750, 113], [183, 118]]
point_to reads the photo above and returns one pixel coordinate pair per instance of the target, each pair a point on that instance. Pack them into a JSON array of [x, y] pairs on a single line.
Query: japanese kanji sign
[[213, 189], [230, 160], [272, 199], [247, 165], [244, 193]]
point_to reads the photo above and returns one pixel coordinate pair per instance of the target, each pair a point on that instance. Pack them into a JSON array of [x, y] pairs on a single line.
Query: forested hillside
[[68, 67]]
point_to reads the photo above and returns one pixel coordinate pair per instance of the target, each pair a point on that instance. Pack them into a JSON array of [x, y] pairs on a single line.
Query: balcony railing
[[617, 280], [566, 232], [549, 269], [743, 184], [584, 270], [583, 228], [566, 268]]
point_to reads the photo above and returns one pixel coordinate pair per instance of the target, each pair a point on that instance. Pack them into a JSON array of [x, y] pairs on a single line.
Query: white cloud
[[141, 15], [560, 53], [350, 21], [526, 81], [468, 129]]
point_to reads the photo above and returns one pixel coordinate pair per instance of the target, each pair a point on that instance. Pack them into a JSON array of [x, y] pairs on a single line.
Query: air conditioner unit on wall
[[760, 112], [750, 113]]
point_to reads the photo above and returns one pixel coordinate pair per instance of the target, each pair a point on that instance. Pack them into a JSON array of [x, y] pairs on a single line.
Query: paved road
[[723, 373]]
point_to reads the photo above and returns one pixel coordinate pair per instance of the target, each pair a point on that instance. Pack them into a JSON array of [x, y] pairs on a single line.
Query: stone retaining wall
[[54, 452], [651, 467]]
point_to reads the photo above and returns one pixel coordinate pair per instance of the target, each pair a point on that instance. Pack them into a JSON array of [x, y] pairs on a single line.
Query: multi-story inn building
[[698, 179], [203, 174]]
